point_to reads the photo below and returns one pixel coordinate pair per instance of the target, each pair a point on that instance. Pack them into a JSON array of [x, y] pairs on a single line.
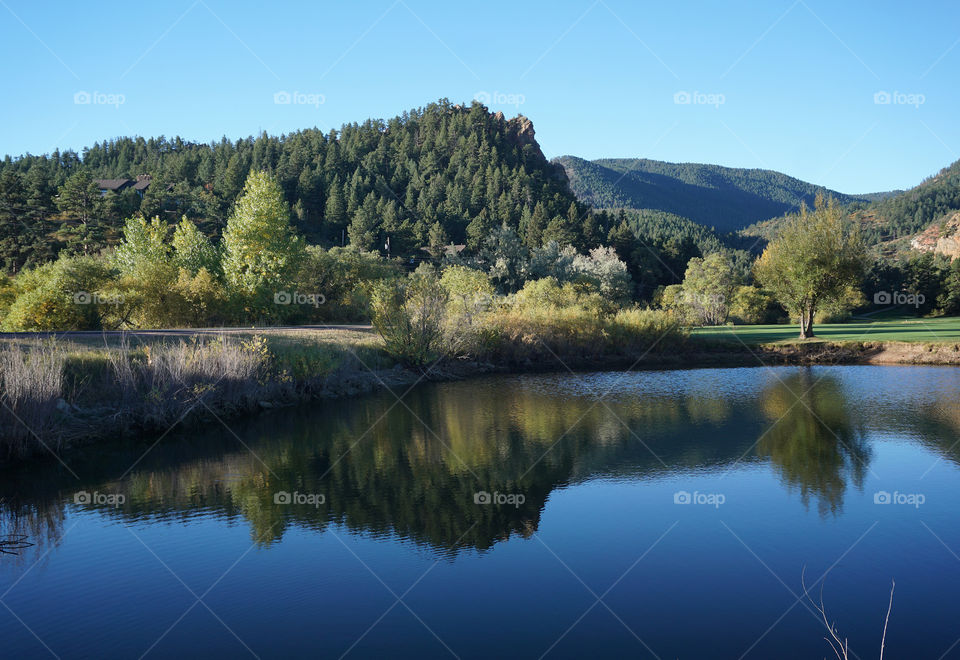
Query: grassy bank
[[892, 341], [57, 393], [60, 393], [934, 331]]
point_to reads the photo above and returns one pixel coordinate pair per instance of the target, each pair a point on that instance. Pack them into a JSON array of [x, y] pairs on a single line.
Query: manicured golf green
[[942, 330]]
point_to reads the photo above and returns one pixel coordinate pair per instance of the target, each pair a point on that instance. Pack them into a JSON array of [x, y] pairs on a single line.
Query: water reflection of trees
[[412, 474], [411, 471], [813, 441]]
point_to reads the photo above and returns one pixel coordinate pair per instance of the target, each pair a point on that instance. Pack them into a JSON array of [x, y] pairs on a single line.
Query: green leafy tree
[[260, 249], [949, 300], [814, 259], [550, 261], [506, 259], [143, 245], [607, 273], [192, 250], [708, 287], [752, 305]]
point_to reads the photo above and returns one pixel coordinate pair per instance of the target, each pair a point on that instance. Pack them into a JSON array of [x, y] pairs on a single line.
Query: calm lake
[[664, 514]]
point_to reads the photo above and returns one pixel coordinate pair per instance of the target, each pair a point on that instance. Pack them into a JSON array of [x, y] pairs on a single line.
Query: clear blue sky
[[777, 84]]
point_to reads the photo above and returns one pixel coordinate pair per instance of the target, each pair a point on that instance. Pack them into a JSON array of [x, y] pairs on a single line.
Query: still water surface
[[671, 518]]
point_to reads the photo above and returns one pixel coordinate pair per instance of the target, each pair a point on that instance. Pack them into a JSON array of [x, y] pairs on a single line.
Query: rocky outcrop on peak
[[520, 130]]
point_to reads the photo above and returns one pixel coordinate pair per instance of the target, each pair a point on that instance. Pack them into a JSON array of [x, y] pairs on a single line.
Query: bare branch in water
[[841, 648], [14, 544], [893, 585]]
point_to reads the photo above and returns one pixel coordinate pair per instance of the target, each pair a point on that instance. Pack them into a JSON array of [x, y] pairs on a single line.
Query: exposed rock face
[[520, 129], [942, 237]]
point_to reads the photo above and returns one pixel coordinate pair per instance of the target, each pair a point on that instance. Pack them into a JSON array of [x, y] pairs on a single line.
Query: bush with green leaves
[[752, 305], [410, 315], [547, 320], [343, 279], [471, 300], [66, 294], [606, 272]]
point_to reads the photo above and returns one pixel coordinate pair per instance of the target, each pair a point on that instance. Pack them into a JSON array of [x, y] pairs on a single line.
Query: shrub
[[548, 292], [603, 268], [60, 295], [547, 320], [470, 300], [635, 330], [752, 305], [410, 315], [345, 277]]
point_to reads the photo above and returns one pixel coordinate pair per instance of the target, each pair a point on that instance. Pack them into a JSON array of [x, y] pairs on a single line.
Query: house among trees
[[140, 185]]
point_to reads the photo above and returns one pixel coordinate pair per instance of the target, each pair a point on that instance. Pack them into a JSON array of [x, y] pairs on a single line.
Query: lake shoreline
[[86, 427]]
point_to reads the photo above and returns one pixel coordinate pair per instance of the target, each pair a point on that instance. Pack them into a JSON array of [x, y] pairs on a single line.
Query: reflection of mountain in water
[[411, 471]]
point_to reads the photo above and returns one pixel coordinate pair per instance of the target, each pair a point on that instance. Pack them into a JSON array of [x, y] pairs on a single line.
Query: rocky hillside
[[941, 237]]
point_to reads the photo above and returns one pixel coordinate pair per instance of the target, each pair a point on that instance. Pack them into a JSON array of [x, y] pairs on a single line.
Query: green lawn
[[944, 330]]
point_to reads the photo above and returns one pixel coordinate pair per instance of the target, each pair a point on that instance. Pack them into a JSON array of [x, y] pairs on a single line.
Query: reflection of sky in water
[[694, 580]]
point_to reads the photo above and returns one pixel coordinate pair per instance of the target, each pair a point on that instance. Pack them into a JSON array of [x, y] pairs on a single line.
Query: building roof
[[112, 184], [143, 182]]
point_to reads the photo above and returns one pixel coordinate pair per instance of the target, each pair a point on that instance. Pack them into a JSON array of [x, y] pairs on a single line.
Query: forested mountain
[[892, 219], [722, 197], [440, 173], [912, 211]]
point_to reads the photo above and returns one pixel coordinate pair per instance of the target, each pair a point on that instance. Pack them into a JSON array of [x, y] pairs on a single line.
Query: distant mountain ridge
[[923, 218], [726, 198]]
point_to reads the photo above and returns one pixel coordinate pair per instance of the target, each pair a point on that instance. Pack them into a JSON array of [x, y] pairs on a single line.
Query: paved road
[[175, 332]]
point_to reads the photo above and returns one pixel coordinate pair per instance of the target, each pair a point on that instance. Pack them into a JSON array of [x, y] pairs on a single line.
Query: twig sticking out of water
[[841, 648], [14, 544], [893, 585]]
